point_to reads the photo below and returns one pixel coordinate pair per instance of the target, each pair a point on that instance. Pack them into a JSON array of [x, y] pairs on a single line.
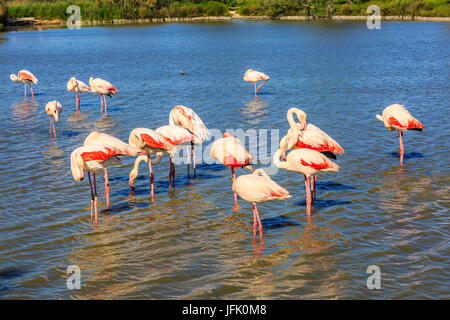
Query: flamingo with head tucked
[[397, 117], [186, 118], [53, 109], [25, 76], [258, 187], [255, 76], [306, 135], [95, 138], [93, 159], [308, 162], [103, 88], [149, 141], [176, 136], [77, 86], [231, 152]]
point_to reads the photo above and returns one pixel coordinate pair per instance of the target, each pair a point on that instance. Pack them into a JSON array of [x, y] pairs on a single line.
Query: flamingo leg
[[259, 222], [188, 159], [193, 159], [95, 200], [106, 188], [92, 196], [150, 170], [78, 101], [308, 197], [402, 151], [52, 124], [254, 222], [32, 94], [233, 177], [25, 85], [255, 88], [173, 171], [104, 97], [101, 105], [313, 186], [170, 175], [259, 87]]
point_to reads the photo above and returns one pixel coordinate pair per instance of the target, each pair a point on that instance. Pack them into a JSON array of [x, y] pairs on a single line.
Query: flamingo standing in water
[[25, 77], [186, 118], [149, 141], [176, 136], [255, 76], [95, 138], [258, 187], [231, 152], [308, 136], [93, 159], [397, 117], [308, 162], [77, 86], [103, 88], [53, 109]]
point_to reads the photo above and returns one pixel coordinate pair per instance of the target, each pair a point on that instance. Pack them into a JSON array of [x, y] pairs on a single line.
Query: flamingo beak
[[303, 125], [131, 183], [283, 154]]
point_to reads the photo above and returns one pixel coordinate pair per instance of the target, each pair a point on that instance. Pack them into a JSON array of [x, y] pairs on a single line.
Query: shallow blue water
[[192, 242]]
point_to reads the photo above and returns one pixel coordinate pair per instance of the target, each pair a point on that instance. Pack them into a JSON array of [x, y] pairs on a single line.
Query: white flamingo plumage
[[307, 136], [148, 141], [25, 76], [309, 163], [255, 76], [186, 118], [397, 117], [93, 159], [78, 87], [176, 136], [53, 109], [231, 152], [258, 187], [95, 138], [103, 88]]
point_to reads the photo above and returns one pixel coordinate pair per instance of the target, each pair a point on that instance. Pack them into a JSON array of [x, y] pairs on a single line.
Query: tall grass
[[138, 9], [113, 9]]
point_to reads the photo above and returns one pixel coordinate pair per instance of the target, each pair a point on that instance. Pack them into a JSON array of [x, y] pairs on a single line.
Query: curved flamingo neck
[[277, 162]]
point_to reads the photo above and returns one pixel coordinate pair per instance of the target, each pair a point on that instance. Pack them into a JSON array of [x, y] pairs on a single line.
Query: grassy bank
[[324, 8], [115, 9], [147, 9]]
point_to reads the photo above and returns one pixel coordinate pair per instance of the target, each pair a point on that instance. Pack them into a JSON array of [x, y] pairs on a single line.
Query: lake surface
[[193, 242]]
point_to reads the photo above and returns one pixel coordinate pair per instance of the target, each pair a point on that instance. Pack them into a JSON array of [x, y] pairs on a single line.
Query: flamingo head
[[133, 175], [301, 115], [228, 134], [286, 143], [91, 82], [53, 109], [76, 165], [14, 78]]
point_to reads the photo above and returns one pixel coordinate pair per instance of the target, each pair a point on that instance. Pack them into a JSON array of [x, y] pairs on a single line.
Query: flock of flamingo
[[310, 148]]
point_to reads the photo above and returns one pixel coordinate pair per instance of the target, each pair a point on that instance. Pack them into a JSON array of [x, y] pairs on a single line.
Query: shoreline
[[14, 23]]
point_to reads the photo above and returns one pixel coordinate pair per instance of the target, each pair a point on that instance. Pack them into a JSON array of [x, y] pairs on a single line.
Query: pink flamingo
[[148, 141], [303, 135], [25, 77], [135, 171], [96, 138], [397, 117], [255, 76], [309, 163], [231, 152], [93, 159], [258, 187], [53, 109], [186, 118], [77, 86], [103, 88], [176, 136]]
